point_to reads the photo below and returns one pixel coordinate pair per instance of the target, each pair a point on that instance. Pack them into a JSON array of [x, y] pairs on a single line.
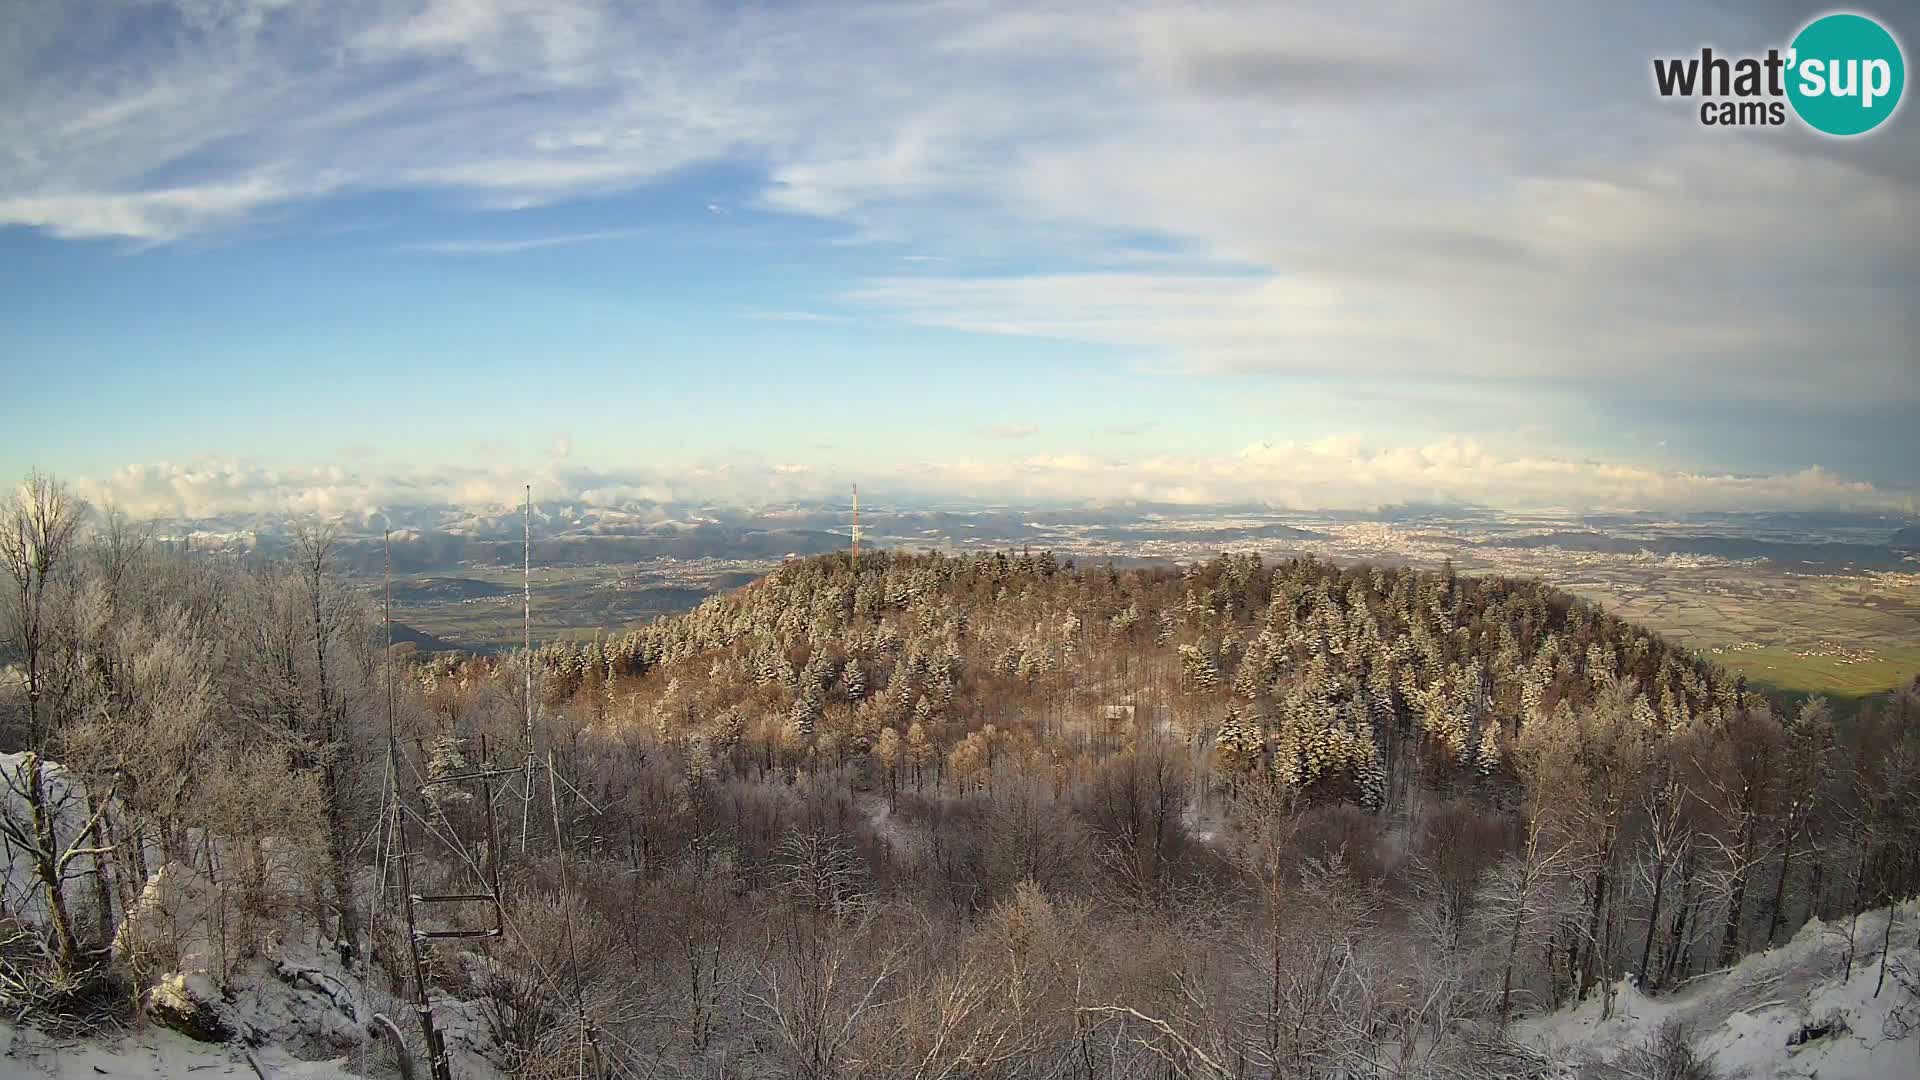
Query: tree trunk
[[1653, 921], [339, 865], [1816, 881], [1677, 935], [1886, 946], [1853, 905], [1506, 979], [1736, 901], [46, 866], [331, 745], [1778, 916], [103, 877], [1592, 943]]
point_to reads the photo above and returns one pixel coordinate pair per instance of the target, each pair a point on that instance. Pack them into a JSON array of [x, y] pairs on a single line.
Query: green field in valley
[[1785, 670]]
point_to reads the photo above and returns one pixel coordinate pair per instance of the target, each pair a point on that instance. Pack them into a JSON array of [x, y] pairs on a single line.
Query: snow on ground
[[293, 993], [302, 1014], [295, 1002], [290, 997], [154, 1052], [884, 824], [1742, 1018]]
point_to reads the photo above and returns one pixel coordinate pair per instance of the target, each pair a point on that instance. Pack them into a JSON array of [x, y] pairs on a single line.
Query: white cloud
[[1332, 473], [158, 215], [1344, 473]]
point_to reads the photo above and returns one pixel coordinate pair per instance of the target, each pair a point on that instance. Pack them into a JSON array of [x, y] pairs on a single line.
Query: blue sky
[[261, 254]]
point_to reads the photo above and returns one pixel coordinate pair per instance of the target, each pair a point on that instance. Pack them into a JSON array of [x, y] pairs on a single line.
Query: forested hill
[[1624, 805], [1352, 683]]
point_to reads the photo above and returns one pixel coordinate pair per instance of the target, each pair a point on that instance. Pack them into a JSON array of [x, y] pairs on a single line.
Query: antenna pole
[[387, 540], [422, 1001], [526, 797], [526, 615], [856, 526], [437, 1063]]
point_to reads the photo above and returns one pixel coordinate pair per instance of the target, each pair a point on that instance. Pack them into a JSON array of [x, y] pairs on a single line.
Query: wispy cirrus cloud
[[515, 245], [796, 316]]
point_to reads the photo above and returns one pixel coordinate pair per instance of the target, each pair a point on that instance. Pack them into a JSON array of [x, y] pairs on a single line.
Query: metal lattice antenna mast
[[856, 526], [526, 732], [437, 1063]]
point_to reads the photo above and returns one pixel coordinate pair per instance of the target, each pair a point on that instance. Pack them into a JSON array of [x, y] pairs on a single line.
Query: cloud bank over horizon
[[1332, 474]]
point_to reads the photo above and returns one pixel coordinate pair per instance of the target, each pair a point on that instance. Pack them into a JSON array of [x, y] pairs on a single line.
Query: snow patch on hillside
[[291, 1008], [154, 1052], [1743, 1019]]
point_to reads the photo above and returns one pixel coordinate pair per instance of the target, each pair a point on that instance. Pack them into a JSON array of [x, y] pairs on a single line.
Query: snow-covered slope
[[294, 1009], [154, 1052], [279, 988], [1752, 1020]]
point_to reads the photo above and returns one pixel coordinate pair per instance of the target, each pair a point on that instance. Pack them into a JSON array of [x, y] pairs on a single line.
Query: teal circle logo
[[1845, 74]]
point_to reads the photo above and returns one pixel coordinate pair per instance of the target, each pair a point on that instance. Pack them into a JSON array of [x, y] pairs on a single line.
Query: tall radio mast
[[856, 526]]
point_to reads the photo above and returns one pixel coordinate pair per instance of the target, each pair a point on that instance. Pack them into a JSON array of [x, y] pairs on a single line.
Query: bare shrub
[[35, 988], [1667, 1054], [545, 975], [827, 981]]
